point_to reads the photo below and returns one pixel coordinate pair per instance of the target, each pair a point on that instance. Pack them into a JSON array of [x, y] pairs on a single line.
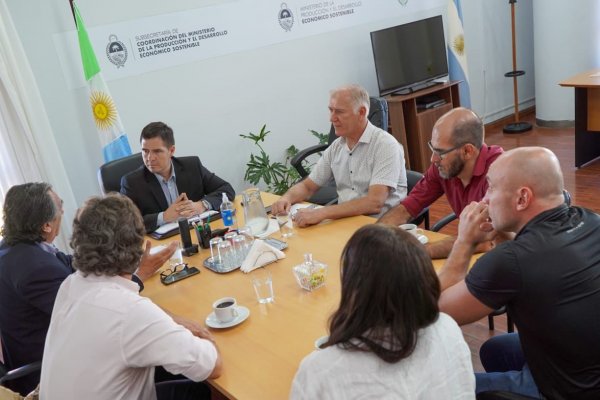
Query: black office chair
[[110, 174], [378, 115], [501, 395], [6, 375], [412, 178]]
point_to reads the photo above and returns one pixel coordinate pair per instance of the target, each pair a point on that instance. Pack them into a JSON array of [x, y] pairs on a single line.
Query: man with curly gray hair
[[108, 336]]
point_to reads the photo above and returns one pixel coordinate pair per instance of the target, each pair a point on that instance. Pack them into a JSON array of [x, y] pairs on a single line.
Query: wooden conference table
[[587, 115], [262, 354]]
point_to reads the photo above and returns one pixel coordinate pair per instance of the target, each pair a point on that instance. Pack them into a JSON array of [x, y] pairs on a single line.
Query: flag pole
[[516, 126], [72, 11]]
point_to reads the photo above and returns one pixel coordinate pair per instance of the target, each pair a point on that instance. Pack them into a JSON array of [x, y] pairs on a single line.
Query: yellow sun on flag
[[459, 44], [103, 109]]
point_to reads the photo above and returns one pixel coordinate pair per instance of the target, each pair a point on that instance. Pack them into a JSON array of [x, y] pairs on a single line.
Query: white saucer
[[423, 239], [213, 322]]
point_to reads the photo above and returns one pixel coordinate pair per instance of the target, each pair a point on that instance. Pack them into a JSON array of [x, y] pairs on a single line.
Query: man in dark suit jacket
[[166, 187], [31, 271]]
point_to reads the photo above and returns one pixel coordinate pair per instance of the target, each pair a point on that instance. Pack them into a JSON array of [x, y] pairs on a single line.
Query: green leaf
[[277, 176], [291, 152], [322, 137]]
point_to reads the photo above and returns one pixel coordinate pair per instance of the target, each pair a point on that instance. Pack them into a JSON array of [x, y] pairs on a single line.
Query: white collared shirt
[[105, 339], [376, 159], [169, 188], [439, 368]]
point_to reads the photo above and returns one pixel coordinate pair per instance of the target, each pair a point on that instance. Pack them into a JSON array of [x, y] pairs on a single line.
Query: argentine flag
[[457, 58], [112, 135]]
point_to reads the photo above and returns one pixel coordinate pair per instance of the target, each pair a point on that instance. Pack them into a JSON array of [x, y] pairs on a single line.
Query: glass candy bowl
[[311, 274]]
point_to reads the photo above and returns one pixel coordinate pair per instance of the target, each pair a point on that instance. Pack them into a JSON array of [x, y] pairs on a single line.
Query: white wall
[[209, 103], [579, 34], [487, 27]]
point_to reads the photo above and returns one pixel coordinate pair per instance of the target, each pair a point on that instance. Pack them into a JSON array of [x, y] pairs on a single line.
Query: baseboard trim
[[500, 122], [554, 124]]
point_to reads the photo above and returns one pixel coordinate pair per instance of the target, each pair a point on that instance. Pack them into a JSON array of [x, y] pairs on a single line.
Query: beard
[[452, 171]]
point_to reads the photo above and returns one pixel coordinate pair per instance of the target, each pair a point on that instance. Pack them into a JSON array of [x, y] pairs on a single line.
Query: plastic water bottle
[[227, 213]]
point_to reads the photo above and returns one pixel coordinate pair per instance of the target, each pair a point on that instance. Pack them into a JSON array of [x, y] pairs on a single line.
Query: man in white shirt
[[105, 339], [366, 162]]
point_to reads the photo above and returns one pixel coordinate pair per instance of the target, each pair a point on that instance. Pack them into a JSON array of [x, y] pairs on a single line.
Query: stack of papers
[[294, 209]]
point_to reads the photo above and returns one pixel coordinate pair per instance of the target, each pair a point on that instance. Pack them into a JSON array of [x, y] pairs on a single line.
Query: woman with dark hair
[[387, 338]]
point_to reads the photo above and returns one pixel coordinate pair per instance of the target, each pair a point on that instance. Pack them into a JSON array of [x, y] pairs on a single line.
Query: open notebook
[[172, 228]]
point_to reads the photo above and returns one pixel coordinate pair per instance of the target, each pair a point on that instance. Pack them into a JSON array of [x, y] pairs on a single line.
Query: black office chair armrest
[[443, 222], [21, 371], [422, 217], [567, 197], [502, 395], [297, 160]]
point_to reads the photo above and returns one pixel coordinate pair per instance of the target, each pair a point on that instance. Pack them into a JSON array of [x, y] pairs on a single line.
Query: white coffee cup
[[225, 309], [412, 229]]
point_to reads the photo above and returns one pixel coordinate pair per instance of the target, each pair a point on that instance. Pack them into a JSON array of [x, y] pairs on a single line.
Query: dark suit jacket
[[29, 281], [191, 177]]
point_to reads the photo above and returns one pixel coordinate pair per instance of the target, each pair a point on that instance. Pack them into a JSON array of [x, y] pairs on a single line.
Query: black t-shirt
[[549, 279]]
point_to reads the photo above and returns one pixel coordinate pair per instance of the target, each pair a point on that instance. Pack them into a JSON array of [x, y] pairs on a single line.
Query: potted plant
[[277, 176]]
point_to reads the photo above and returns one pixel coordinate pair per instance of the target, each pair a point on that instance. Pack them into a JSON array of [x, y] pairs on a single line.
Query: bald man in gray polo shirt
[[366, 162]]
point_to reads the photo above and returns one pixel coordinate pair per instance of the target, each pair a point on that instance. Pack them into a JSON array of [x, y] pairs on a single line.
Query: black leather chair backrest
[[412, 178], [110, 174]]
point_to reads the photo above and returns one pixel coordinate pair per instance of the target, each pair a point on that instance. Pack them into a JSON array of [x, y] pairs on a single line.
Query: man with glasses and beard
[[459, 164]]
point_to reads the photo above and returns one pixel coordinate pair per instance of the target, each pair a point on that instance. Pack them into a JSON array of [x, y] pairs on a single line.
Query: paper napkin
[[260, 254]]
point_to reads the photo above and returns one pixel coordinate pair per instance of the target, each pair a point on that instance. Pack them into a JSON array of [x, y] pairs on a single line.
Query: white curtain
[[28, 151]]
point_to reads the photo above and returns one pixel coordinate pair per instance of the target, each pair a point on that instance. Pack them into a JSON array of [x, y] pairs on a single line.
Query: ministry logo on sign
[[286, 18], [116, 51]]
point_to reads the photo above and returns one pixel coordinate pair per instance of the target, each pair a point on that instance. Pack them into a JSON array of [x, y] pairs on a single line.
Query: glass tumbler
[[229, 236], [227, 254], [214, 250], [246, 231], [241, 247]]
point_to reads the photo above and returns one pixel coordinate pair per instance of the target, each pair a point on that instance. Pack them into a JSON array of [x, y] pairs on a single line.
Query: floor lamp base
[[517, 127]]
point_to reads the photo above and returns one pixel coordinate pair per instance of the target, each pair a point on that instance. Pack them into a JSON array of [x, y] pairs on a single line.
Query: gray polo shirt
[[377, 159]]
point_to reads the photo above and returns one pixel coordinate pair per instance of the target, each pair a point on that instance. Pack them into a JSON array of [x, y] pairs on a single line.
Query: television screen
[[409, 55]]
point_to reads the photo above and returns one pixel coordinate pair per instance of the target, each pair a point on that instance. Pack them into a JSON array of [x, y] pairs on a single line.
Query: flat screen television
[[409, 57]]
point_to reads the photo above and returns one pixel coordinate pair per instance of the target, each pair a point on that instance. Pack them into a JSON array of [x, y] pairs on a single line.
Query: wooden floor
[[583, 184]]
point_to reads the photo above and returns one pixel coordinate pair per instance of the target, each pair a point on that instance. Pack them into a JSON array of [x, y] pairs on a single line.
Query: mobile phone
[[177, 276], [219, 232]]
